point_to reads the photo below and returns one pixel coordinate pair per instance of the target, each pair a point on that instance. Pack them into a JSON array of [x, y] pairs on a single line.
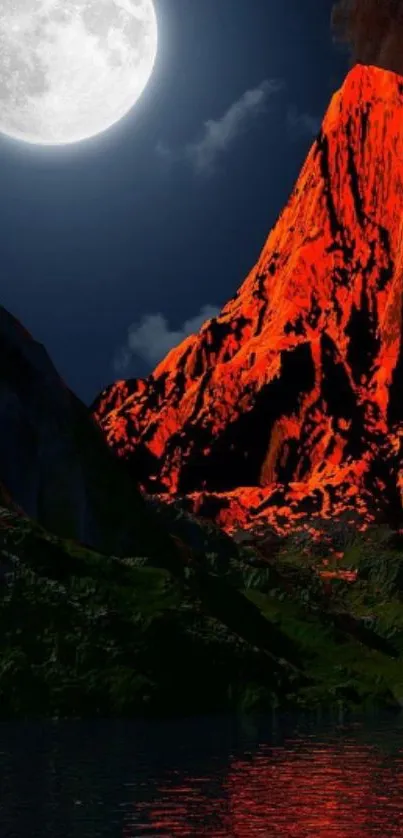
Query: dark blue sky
[[161, 215]]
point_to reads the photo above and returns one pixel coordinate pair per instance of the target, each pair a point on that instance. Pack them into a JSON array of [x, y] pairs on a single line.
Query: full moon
[[69, 69]]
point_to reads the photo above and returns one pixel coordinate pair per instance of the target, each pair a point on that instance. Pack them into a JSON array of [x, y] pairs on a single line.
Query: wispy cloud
[[218, 135], [151, 338], [301, 124], [163, 151]]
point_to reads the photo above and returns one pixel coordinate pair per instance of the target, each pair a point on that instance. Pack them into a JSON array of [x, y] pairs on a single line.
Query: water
[[222, 778]]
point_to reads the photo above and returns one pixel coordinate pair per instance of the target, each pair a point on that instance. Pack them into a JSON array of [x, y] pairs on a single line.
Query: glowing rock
[[290, 403]]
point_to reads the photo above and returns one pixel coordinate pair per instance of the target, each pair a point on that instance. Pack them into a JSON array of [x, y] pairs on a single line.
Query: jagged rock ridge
[[289, 403]]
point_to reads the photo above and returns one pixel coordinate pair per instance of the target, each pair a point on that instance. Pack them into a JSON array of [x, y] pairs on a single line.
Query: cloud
[[373, 29], [302, 124], [163, 151], [152, 338], [219, 134]]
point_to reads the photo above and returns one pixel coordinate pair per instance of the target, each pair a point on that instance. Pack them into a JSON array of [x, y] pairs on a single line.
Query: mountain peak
[[288, 404]]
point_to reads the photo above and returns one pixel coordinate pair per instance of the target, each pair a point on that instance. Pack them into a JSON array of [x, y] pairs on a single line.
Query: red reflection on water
[[308, 790], [327, 790]]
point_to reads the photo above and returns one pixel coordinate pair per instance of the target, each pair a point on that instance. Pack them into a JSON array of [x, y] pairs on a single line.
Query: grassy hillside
[[88, 634]]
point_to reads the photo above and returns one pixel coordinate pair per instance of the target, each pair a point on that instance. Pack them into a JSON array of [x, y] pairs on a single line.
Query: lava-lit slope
[[291, 400]]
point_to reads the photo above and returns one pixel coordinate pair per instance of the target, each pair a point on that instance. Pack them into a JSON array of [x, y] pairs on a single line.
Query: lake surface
[[219, 777]]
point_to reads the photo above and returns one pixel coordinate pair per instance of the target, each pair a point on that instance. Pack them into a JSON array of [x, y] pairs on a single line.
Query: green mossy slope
[[85, 634]]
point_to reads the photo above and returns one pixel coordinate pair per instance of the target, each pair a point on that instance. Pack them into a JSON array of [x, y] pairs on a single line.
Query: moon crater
[[70, 69]]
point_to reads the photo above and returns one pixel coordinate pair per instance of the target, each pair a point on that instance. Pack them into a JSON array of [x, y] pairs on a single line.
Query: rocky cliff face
[[290, 403], [54, 463]]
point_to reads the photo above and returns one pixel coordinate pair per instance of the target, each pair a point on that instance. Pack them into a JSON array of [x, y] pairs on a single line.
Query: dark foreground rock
[[54, 463]]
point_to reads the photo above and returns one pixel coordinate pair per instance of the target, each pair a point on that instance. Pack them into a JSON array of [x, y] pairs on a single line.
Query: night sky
[[141, 228]]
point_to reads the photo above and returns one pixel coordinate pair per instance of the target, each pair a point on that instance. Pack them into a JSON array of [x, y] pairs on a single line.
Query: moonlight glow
[[70, 69]]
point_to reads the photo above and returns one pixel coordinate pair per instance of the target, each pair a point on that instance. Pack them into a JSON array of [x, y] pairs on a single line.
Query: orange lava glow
[[288, 404]]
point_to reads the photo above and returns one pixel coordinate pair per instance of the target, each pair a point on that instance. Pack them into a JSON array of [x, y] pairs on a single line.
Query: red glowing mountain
[[289, 404]]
